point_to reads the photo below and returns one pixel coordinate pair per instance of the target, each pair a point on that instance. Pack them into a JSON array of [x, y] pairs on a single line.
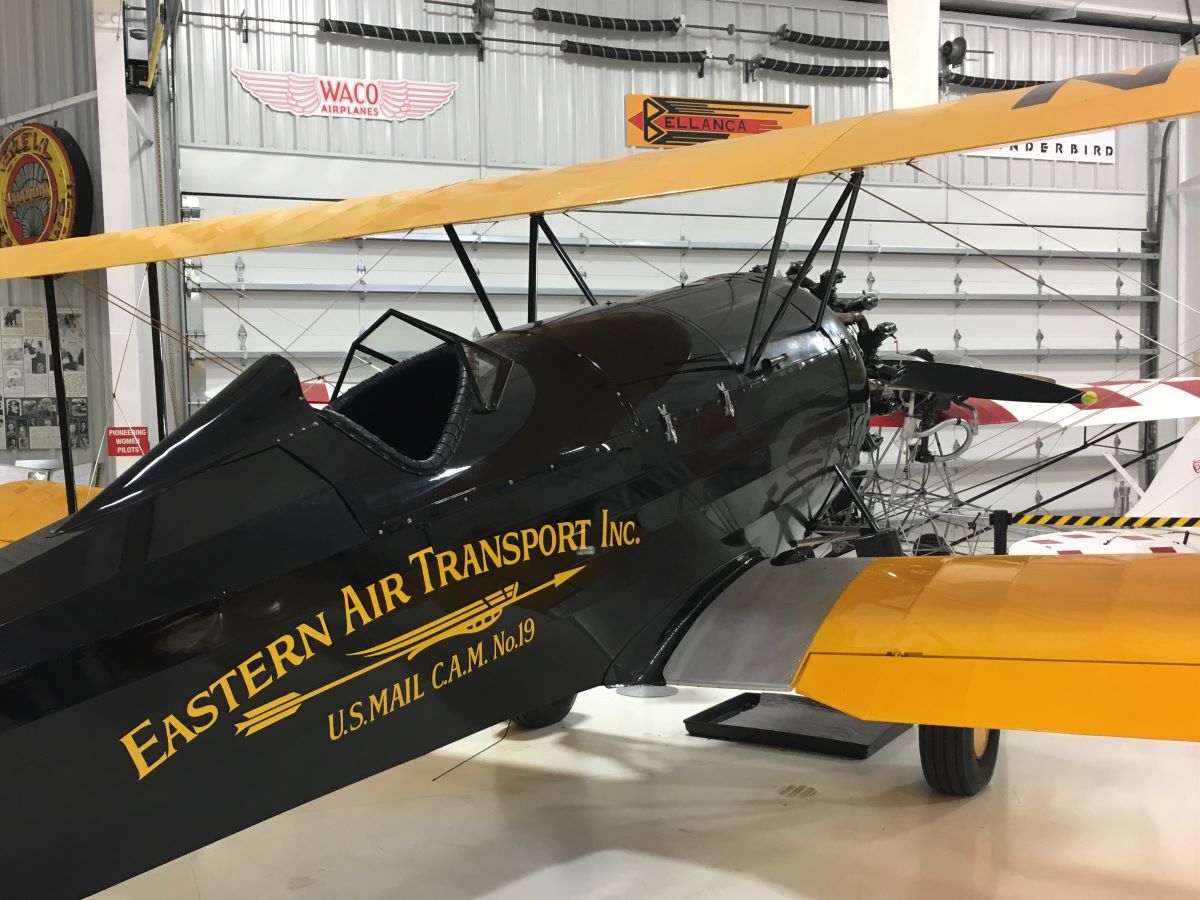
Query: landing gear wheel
[[958, 761], [550, 714]]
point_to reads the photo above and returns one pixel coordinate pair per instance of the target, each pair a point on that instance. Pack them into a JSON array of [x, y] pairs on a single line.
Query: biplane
[[278, 601], [903, 476], [1164, 518]]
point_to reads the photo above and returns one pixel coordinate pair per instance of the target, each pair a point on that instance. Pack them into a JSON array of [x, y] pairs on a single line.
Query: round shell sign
[[45, 187]]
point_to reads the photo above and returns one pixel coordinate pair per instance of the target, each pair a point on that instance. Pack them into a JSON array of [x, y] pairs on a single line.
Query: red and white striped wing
[[1098, 541], [400, 100], [282, 91], [316, 393], [1118, 403]]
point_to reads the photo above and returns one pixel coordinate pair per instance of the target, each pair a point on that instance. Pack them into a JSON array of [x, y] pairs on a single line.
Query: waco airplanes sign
[[652, 121], [350, 98]]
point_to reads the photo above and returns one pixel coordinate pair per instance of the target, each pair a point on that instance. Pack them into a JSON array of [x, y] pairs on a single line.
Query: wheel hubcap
[[981, 736]]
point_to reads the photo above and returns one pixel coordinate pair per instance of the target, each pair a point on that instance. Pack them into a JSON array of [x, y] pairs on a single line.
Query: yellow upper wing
[[1083, 644], [1076, 105]]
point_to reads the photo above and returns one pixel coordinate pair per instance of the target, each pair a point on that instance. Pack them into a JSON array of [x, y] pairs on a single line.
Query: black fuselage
[[275, 604]]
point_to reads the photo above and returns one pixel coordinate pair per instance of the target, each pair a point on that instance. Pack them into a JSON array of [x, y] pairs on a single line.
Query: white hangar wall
[[527, 107]]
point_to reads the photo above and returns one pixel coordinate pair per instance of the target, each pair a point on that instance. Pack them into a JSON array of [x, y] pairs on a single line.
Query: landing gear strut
[[958, 761]]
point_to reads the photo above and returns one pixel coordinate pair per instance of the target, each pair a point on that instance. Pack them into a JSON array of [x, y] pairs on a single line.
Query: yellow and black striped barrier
[[1110, 521]]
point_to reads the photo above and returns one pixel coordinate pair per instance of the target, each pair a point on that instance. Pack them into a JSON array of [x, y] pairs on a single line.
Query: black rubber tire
[[949, 762], [550, 714]]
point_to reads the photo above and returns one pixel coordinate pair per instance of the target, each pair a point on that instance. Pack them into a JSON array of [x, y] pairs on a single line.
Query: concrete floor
[[620, 802]]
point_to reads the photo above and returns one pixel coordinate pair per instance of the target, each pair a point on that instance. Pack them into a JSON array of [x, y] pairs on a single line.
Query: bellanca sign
[[653, 121], [348, 98], [1097, 147]]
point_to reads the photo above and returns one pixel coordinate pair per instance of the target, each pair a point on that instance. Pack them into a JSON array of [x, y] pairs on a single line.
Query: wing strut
[[769, 273], [849, 193], [156, 354], [60, 394], [852, 189], [473, 277], [533, 251], [574, 272]]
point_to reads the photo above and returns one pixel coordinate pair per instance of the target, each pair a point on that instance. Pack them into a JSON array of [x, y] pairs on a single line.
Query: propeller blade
[[988, 384]]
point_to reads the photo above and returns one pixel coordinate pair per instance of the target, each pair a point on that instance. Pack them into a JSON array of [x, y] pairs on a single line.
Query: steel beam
[[247, 287], [1045, 254]]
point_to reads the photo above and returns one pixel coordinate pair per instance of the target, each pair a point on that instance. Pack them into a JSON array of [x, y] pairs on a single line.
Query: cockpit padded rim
[[447, 443]]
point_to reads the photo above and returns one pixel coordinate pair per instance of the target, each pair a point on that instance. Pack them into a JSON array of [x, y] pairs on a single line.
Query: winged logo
[[357, 98]]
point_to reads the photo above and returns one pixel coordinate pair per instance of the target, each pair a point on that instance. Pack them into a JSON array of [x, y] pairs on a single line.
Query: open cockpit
[[414, 410]]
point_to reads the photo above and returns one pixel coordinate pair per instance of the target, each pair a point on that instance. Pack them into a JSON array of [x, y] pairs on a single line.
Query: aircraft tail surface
[[1175, 490]]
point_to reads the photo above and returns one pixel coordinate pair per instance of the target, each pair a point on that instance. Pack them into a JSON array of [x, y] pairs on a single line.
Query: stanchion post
[[1000, 519]]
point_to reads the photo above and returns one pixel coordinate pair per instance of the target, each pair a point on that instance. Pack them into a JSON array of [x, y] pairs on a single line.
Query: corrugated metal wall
[[47, 55], [1049, 52], [535, 106], [531, 106]]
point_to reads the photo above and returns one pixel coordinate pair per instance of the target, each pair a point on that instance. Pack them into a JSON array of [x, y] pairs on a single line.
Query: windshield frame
[[487, 395]]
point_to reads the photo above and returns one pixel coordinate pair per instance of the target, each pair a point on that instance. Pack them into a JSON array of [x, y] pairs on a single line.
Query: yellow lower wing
[[1104, 645], [27, 506]]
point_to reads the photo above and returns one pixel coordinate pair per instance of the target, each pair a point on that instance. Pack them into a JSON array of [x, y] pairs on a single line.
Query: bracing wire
[[1082, 413], [184, 341], [410, 296], [237, 315], [763, 246], [1058, 427], [1053, 237], [342, 296], [1023, 442], [636, 256], [1024, 274]]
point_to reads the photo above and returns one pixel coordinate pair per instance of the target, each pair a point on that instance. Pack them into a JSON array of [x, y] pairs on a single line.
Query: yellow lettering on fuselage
[[151, 744], [439, 568]]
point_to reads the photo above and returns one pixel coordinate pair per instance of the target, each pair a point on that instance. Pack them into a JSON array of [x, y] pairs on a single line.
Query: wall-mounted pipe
[[606, 23], [635, 54], [830, 43], [404, 35], [811, 70], [987, 84]]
